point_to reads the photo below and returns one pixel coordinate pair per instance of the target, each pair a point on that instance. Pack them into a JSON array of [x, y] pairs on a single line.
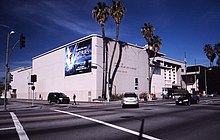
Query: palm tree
[[156, 42], [147, 32], [153, 41], [101, 14], [217, 51], [217, 48], [117, 11], [209, 51]]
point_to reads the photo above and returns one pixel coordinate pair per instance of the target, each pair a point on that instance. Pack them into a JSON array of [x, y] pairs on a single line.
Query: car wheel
[[49, 101], [189, 103], [58, 101], [197, 101]]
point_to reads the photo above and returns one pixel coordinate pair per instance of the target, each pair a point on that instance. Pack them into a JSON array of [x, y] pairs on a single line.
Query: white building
[[167, 75], [76, 68]]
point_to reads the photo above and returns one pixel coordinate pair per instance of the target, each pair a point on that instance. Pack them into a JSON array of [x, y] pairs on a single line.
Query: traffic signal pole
[[6, 69]]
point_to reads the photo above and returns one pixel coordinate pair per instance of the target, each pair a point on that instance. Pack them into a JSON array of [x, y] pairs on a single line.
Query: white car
[[130, 99]]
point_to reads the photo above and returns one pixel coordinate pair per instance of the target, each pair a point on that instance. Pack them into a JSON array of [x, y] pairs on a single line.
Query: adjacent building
[[167, 75]]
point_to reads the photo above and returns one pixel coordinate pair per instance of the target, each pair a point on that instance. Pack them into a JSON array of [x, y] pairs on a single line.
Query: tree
[[101, 14], [153, 41], [209, 51], [147, 31], [117, 11], [156, 42], [217, 51], [217, 48]]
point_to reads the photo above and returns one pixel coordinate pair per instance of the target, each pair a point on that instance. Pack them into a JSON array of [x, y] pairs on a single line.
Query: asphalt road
[[153, 120]]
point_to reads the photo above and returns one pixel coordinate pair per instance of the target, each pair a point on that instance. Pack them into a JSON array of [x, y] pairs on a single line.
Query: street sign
[[33, 87], [30, 83]]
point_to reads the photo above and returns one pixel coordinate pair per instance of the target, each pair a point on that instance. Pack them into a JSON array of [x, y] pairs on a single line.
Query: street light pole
[[6, 69], [205, 82]]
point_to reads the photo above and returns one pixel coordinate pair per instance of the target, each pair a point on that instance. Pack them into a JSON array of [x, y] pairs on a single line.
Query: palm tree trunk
[[149, 75], [116, 67], [104, 67], [111, 62], [106, 70]]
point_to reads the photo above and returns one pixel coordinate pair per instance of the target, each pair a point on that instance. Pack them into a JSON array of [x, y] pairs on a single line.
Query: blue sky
[[183, 25]]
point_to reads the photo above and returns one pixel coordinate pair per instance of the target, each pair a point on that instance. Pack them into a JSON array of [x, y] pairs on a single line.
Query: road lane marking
[[19, 128], [110, 125], [9, 128]]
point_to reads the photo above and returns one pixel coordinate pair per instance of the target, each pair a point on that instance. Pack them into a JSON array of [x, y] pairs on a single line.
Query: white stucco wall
[[21, 78], [50, 70]]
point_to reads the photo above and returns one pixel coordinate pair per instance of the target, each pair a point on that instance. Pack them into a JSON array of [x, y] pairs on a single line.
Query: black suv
[[58, 97], [187, 99]]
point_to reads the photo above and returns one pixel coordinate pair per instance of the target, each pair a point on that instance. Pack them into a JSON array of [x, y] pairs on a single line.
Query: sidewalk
[[26, 104]]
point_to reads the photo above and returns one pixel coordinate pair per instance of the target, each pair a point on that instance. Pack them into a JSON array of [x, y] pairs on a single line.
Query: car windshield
[[130, 95], [62, 95]]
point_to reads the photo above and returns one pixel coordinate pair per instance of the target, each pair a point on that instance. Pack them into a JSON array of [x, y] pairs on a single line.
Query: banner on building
[[78, 58]]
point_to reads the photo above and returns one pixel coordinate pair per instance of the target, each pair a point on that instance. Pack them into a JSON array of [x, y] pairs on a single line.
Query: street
[[153, 120]]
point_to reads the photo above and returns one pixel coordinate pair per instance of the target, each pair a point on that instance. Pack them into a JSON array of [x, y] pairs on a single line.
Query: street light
[[206, 88], [6, 67]]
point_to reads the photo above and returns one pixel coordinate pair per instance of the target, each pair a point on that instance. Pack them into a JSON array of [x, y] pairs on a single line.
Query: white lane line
[[19, 128], [110, 125], [9, 128]]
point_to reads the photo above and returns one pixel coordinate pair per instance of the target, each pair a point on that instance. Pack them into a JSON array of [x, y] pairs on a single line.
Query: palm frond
[[147, 32], [101, 13], [217, 49], [117, 11]]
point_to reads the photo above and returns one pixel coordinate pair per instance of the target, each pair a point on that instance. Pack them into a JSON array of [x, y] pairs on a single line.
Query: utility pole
[[6, 69], [185, 68]]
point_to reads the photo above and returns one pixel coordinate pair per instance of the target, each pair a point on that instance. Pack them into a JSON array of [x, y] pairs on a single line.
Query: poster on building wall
[[78, 58]]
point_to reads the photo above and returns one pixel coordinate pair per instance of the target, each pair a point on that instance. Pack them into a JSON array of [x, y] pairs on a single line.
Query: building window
[[157, 70], [182, 70]]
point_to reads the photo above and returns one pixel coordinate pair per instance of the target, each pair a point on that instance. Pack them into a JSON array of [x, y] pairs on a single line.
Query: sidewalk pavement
[[26, 104]]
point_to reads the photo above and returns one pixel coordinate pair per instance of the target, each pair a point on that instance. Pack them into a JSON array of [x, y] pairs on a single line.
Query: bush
[[144, 96], [116, 97]]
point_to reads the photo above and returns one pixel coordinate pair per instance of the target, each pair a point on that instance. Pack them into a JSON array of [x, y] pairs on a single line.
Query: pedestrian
[[74, 99]]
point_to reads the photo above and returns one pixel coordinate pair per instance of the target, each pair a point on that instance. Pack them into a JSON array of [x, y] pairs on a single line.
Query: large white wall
[[21, 78], [133, 65], [50, 70]]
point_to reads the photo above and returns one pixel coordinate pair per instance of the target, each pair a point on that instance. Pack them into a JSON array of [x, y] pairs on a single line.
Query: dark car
[[187, 99], [58, 97]]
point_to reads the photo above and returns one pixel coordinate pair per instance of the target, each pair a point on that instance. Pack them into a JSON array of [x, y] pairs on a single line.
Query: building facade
[[76, 68], [167, 75]]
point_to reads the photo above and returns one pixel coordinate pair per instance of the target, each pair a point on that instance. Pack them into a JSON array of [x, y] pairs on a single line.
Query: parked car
[[130, 99], [187, 99], [58, 97]]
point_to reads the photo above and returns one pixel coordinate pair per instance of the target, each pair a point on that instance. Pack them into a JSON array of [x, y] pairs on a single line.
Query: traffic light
[[33, 78], [22, 41], [11, 77]]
